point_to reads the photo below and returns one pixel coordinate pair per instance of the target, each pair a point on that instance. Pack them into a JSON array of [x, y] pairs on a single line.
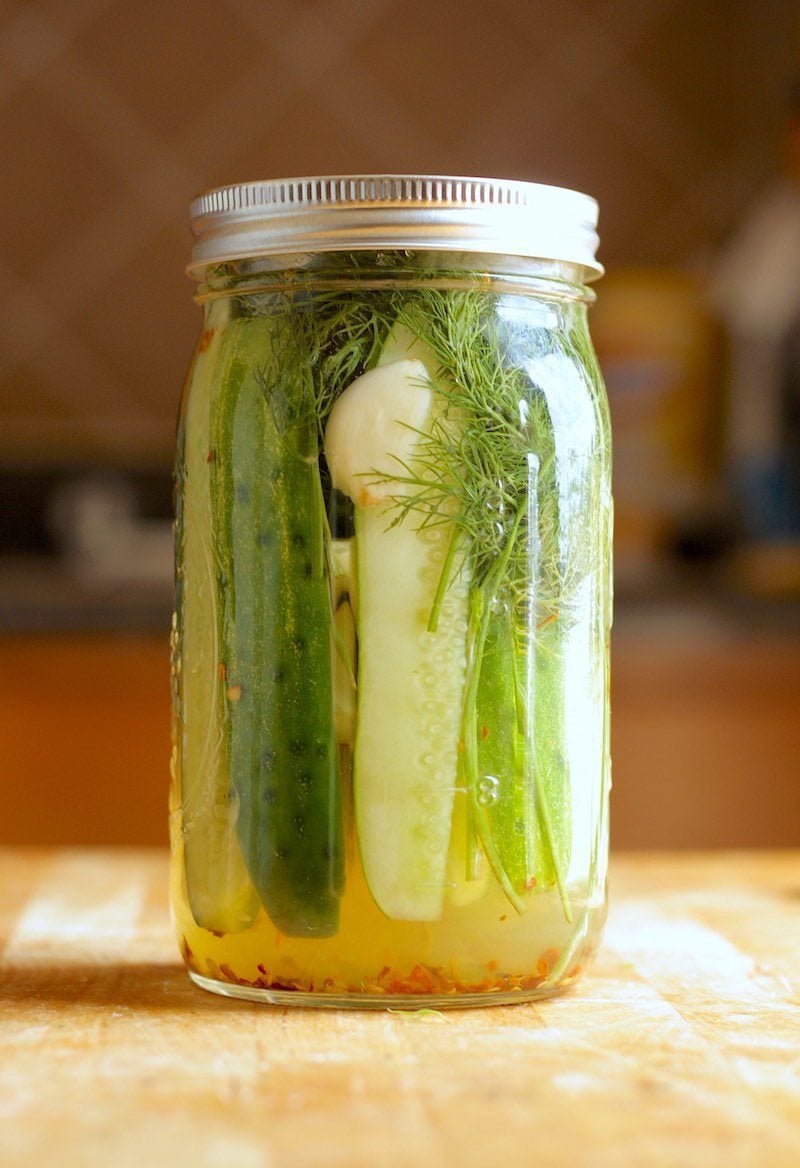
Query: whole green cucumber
[[275, 637]]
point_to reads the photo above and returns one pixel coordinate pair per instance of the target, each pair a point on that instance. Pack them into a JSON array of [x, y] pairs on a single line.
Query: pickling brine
[[390, 645]]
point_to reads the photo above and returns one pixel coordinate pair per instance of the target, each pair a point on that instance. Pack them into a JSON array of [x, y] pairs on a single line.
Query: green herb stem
[[444, 580]]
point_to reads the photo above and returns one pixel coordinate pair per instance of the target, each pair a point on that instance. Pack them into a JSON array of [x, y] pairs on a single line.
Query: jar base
[[411, 1002]]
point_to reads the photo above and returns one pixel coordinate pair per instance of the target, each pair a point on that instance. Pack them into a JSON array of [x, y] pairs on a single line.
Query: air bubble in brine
[[488, 790]]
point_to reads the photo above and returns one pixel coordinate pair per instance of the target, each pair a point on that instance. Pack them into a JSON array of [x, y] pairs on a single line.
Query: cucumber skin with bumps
[[275, 638]]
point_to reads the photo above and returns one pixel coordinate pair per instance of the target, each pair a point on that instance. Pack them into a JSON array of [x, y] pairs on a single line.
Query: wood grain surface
[[681, 1046]]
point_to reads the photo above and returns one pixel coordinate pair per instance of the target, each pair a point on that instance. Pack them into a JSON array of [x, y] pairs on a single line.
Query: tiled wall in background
[[114, 112]]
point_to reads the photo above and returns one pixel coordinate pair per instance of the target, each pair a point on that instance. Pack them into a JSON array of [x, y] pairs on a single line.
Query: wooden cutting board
[[681, 1046]]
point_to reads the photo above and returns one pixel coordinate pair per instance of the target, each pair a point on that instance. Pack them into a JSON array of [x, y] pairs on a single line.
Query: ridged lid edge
[[342, 212]]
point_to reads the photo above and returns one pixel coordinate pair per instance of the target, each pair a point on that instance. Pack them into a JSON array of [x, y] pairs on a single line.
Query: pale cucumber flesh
[[410, 680], [410, 685]]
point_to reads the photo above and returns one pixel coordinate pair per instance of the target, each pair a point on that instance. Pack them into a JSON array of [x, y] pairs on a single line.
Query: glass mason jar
[[393, 601]]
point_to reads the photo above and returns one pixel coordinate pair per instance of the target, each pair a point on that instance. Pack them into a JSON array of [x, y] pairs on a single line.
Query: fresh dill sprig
[[321, 342], [473, 468]]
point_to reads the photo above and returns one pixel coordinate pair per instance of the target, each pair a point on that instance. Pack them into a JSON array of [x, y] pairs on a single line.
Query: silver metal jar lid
[[389, 211]]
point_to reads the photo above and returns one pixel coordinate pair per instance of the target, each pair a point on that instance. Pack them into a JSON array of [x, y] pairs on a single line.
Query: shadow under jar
[[393, 598]]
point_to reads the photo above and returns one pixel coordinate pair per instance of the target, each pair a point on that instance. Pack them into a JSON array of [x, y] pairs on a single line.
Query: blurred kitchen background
[[682, 118]]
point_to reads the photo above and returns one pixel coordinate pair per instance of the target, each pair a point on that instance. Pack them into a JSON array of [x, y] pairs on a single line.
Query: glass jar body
[[390, 647]]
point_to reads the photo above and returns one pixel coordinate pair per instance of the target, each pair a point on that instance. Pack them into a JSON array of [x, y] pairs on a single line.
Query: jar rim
[[389, 211]]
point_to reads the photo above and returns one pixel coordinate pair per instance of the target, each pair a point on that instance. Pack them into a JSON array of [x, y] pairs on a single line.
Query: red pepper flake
[[211, 456], [422, 981], [504, 917], [546, 962], [530, 883], [206, 337], [484, 733], [234, 693], [290, 986], [421, 975], [222, 671]]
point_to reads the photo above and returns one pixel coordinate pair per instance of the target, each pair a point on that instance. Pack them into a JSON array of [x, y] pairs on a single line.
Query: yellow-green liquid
[[480, 946]]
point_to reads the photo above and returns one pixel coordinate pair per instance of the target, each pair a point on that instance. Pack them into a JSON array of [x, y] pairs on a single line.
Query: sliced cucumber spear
[[221, 895], [410, 680], [275, 646]]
